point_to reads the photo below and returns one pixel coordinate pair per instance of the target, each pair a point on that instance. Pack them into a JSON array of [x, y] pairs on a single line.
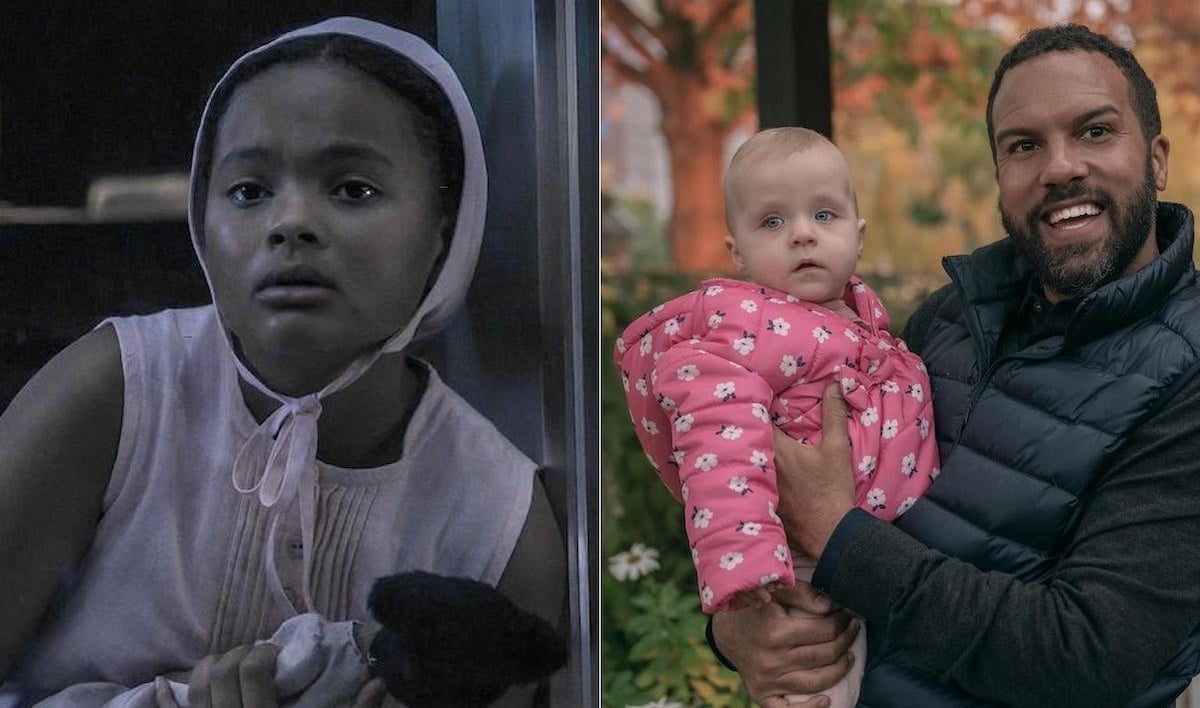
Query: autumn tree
[[696, 57]]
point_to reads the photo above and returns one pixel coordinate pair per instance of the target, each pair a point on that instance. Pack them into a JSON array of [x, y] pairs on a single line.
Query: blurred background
[[901, 87]]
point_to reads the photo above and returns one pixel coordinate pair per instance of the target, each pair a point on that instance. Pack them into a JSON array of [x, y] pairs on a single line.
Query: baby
[[709, 374]]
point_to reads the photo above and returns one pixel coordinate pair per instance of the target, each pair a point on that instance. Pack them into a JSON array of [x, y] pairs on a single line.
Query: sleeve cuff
[[849, 527]]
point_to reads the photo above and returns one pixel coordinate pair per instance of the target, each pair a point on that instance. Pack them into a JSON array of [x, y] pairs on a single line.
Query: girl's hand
[[243, 677]]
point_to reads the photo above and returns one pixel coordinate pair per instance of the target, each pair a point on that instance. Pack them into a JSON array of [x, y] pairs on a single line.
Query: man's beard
[[1070, 270]]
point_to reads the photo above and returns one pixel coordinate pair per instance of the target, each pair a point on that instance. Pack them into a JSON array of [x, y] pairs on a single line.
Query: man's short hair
[[1077, 38]]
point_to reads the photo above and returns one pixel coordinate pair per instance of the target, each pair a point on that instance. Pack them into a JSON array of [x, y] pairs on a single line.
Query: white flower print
[[859, 288], [701, 517], [758, 458], [730, 560], [851, 335], [677, 458], [792, 299], [654, 373], [687, 372], [749, 528], [725, 391], [779, 326], [917, 391], [650, 426], [867, 465], [621, 346], [672, 325], [848, 384], [740, 485], [768, 579], [890, 386], [908, 465], [655, 356], [706, 462], [876, 499], [781, 553], [639, 560], [885, 346], [923, 427], [714, 320], [714, 290], [706, 595], [759, 411], [641, 386], [933, 473], [695, 555], [869, 416], [749, 306], [730, 432], [646, 345], [821, 332], [683, 422], [625, 381], [657, 309], [905, 506], [666, 402], [890, 428], [684, 491], [872, 366], [771, 513], [744, 344], [789, 364]]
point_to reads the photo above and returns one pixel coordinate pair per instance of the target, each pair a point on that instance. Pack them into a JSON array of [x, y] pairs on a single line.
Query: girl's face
[[322, 218]]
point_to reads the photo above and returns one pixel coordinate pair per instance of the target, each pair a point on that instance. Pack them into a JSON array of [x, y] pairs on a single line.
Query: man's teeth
[[1072, 212]]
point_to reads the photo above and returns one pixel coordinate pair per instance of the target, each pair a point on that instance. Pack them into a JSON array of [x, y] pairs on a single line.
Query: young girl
[[184, 483], [709, 374]]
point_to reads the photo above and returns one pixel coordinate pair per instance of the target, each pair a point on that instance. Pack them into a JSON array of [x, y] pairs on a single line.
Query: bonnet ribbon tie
[[290, 476]]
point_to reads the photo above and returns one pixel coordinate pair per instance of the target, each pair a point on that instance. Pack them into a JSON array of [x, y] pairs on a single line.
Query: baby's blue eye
[[355, 191], [245, 194], [823, 215], [772, 222]]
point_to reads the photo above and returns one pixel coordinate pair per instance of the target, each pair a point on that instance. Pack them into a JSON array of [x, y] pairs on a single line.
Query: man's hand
[[816, 484], [778, 653]]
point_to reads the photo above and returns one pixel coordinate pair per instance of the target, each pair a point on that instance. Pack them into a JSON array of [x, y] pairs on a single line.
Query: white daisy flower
[[768, 579], [671, 326], [741, 485], [706, 596], [706, 462], [731, 432], [683, 423], [687, 372], [781, 553], [646, 345], [701, 517], [872, 366], [905, 506], [848, 384], [621, 346], [657, 309], [935, 472], [759, 411], [749, 528], [639, 560], [758, 458], [779, 326], [890, 386], [649, 426], [677, 457], [821, 332], [641, 386], [725, 391], [684, 491], [917, 391], [695, 555], [789, 364], [890, 428], [714, 290], [866, 466], [714, 320], [730, 560], [923, 427], [869, 416], [851, 335], [749, 305], [908, 465], [859, 288], [666, 402], [876, 499], [744, 345]]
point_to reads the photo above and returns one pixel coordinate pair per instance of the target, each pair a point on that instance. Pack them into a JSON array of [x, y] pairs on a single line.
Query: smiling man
[[1055, 560]]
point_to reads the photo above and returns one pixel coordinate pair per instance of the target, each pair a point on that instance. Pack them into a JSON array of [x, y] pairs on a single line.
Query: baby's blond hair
[[768, 144]]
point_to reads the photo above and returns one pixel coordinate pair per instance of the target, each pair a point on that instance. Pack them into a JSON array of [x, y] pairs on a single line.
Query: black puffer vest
[[1087, 400]]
